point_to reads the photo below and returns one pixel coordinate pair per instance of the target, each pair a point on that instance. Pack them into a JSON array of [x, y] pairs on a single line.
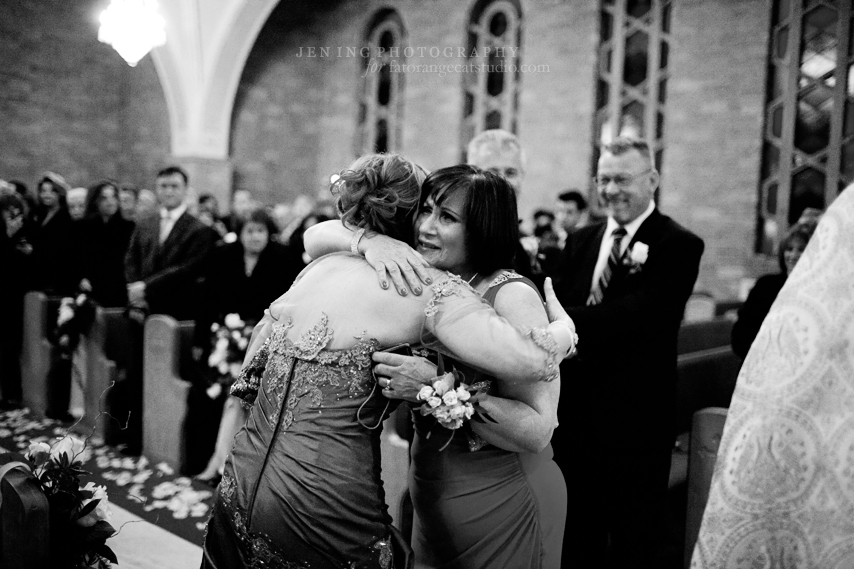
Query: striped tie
[[598, 292]]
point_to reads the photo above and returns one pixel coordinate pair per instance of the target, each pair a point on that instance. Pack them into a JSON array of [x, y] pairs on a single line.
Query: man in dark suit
[[624, 281], [164, 263]]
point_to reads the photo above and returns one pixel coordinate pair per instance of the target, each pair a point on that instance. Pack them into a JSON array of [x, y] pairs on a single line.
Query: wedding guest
[[571, 211], [128, 194], [297, 257], [52, 238], [15, 259], [754, 310], [624, 281], [241, 204], [77, 200], [163, 267], [147, 205], [209, 213], [104, 240], [781, 490], [500, 152], [244, 278], [31, 202]]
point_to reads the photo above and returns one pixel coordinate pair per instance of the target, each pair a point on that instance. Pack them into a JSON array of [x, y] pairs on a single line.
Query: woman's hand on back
[[395, 260], [402, 377]]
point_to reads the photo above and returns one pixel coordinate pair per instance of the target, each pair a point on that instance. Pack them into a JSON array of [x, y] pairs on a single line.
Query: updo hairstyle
[[380, 193]]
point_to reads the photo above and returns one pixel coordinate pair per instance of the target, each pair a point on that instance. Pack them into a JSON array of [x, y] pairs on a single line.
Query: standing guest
[[754, 310], [297, 258], [547, 239], [500, 152], [241, 204], [52, 238], [31, 202], [163, 266], [77, 200], [147, 205], [128, 195], [244, 278], [625, 282], [571, 211], [209, 213], [15, 259], [104, 239]]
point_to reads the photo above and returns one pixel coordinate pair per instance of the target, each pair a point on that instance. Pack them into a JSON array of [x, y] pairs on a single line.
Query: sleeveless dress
[[478, 506]]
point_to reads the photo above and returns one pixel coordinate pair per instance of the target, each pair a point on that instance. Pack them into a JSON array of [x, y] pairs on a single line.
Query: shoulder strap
[[501, 280]]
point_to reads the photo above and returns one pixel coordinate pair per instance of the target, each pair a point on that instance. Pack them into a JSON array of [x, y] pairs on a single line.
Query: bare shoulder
[[521, 305]]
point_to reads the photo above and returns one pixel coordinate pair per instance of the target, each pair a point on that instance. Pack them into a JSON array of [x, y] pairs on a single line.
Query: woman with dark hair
[[763, 294], [15, 258], [52, 238], [302, 486], [244, 278], [493, 497], [104, 236]]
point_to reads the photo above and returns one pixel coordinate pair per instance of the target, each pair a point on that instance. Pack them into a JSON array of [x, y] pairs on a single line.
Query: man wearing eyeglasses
[[624, 281]]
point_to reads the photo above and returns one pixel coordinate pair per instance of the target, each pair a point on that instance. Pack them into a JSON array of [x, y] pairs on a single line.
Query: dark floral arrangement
[[79, 526], [75, 317], [229, 340]]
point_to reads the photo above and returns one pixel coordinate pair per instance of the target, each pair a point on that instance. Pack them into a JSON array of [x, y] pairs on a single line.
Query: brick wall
[[69, 103]]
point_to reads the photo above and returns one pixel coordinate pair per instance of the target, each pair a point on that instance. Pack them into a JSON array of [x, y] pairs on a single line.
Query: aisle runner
[[154, 492]]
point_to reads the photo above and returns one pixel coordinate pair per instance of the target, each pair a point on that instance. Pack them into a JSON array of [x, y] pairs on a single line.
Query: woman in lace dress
[[493, 497], [302, 486]]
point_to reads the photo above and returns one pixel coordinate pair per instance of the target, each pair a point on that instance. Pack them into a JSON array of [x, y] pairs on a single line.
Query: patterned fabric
[[782, 494], [598, 293]]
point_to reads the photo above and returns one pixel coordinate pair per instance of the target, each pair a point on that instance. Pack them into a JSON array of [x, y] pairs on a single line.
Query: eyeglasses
[[621, 182]]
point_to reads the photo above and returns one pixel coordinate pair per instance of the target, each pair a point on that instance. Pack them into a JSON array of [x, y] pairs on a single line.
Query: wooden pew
[[706, 432], [101, 359], [704, 335], [706, 379], [24, 518], [37, 352], [164, 399]]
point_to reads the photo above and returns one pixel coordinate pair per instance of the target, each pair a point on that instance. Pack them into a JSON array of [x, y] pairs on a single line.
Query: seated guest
[[51, 238], [764, 292], [245, 277], [15, 258], [104, 239], [209, 213]]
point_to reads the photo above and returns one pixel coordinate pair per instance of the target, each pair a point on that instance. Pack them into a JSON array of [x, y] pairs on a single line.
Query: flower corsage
[[451, 402], [636, 256]]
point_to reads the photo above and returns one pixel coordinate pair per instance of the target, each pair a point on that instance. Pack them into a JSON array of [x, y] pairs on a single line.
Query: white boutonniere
[[636, 256]]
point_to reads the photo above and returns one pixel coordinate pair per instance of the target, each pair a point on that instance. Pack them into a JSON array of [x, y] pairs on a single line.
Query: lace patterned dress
[[477, 505], [302, 486]]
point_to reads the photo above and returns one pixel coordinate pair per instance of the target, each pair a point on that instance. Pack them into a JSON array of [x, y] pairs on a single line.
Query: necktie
[[165, 226], [598, 292]]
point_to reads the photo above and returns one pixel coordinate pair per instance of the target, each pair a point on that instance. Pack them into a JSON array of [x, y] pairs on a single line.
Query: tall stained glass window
[[491, 86], [631, 86], [808, 139], [380, 108]]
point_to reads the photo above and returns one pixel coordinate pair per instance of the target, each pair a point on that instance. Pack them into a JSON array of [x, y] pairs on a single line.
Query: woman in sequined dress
[[491, 496], [302, 486]]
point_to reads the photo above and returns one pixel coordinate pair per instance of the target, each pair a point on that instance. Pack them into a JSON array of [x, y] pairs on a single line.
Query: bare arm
[[390, 258]]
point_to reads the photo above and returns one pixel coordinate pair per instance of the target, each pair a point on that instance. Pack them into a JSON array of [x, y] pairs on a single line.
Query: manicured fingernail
[[403, 292], [429, 280], [417, 291], [384, 284]]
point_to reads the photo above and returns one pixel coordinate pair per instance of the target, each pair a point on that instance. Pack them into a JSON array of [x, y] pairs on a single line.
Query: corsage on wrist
[[450, 406]]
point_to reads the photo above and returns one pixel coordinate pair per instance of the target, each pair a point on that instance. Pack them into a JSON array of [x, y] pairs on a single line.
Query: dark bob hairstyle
[[492, 220]]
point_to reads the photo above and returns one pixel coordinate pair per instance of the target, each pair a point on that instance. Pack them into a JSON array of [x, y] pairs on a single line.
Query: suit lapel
[[645, 233], [175, 235]]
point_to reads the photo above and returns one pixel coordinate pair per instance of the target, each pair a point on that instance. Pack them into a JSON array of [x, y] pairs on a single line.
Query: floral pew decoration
[[79, 516]]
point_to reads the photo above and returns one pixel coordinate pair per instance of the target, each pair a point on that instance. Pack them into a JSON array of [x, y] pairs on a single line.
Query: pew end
[[37, 352], [164, 399], [24, 519], [706, 432]]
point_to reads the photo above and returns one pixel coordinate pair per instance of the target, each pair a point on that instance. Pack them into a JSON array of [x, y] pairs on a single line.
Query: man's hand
[[402, 377], [395, 259], [136, 292]]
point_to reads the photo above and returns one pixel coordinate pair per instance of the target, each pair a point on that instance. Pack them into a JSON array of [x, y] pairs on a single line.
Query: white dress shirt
[[168, 219], [608, 241]]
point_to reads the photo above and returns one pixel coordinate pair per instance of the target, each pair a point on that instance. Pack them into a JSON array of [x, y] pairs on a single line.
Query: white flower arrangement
[[449, 405]]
